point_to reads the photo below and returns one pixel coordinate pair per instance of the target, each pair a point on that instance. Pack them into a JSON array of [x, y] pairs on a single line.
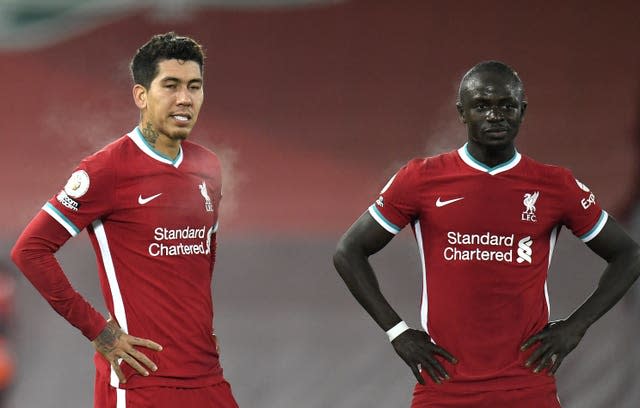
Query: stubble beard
[[179, 135], [151, 134]]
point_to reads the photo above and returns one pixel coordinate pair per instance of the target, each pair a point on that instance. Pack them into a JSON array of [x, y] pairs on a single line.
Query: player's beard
[[176, 133], [179, 134]]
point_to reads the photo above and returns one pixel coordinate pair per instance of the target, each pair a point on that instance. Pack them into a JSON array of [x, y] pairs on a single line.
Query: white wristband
[[397, 330]]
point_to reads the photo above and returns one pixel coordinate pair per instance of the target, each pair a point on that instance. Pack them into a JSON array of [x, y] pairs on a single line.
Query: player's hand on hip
[[418, 351], [556, 340], [116, 345]]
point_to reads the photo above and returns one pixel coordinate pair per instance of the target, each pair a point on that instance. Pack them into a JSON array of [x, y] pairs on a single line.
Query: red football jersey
[[486, 237], [152, 222]]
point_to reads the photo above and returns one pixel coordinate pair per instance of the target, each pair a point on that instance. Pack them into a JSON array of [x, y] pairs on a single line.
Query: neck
[[159, 141], [489, 155]]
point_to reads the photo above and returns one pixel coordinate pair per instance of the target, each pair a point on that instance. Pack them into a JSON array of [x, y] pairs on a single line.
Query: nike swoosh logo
[[143, 201], [447, 202]]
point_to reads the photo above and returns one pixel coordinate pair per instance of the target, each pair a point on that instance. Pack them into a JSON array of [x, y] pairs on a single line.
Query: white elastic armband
[[397, 330]]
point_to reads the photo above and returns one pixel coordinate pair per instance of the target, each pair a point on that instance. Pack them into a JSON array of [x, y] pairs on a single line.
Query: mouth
[[181, 117], [497, 132]]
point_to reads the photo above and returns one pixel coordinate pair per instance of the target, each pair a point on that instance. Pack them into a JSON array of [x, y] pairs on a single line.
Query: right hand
[[115, 345], [418, 351]]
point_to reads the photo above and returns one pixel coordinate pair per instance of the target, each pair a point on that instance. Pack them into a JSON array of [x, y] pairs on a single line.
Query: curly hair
[[144, 65]]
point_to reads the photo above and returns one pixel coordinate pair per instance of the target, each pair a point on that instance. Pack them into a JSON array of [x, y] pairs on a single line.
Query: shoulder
[[431, 164], [416, 172], [106, 160], [554, 177], [549, 171], [200, 153], [202, 162], [96, 172]]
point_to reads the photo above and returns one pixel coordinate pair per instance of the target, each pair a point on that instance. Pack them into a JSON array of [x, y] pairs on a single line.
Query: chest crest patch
[[529, 213], [208, 204]]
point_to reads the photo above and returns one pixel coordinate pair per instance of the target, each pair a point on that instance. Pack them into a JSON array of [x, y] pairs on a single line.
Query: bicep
[[365, 236], [612, 241]]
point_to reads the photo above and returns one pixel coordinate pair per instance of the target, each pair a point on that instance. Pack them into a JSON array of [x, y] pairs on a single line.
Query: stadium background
[[312, 105]]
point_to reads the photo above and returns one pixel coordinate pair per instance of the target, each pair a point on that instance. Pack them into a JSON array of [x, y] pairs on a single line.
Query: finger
[[532, 340], [535, 356], [116, 367], [432, 373], [417, 374], [555, 365], [141, 357], [145, 343], [134, 364], [444, 353], [442, 373], [545, 361]]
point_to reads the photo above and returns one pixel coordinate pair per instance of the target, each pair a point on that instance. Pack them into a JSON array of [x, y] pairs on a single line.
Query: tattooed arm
[[115, 345]]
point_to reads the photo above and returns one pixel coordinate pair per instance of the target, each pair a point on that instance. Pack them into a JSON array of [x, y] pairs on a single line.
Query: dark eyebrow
[[174, 79], [484, 99]]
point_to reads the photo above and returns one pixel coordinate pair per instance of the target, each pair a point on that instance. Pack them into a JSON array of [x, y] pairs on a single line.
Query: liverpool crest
[[208, 205], [529, 213]]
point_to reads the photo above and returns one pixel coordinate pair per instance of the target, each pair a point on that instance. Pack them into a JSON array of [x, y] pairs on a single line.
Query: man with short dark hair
[[149, 201], [486, 219]]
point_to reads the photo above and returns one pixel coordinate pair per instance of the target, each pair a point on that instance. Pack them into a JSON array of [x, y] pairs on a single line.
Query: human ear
[[460, 112], [523, 108], [140, 96]]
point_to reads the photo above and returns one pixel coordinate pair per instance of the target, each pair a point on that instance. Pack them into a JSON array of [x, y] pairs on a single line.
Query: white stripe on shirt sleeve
[[64, 221], [593, 232], [384, 223]]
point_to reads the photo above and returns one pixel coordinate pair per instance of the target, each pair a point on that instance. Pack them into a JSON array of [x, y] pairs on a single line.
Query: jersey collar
[[141, 142], [472, 162]]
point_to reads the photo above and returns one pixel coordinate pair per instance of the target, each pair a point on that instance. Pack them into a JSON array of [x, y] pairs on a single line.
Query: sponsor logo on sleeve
[[380, 201], [78, 184], [582, 186], [67, 201], [386, 186], [589, 201]]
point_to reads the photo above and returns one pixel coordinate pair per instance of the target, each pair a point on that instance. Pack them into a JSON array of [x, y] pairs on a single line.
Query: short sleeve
[[583, 214], [397, 204], [87, 195]]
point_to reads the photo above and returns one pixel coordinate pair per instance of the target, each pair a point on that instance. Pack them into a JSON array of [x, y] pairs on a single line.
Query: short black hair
[[491, 66], [144, 65]]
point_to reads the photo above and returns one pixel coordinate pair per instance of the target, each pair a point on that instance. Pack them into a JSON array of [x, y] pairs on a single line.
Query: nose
[[183, 98], [494, 115]]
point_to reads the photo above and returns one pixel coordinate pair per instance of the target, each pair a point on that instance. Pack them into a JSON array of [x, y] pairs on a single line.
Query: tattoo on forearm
[[150, 134], [106, 340]]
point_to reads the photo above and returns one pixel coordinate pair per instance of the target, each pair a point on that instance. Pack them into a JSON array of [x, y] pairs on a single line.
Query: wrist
[[397, 330], [579, 325]]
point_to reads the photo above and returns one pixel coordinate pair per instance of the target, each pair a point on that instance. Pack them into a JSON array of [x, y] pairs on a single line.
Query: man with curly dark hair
[[149, 201]]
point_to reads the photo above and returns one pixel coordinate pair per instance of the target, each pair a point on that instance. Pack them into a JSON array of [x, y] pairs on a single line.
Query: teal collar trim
[[141, 142], [502, 167]]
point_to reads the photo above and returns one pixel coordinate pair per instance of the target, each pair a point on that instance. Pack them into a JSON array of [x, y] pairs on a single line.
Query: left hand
[[557, 339]]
